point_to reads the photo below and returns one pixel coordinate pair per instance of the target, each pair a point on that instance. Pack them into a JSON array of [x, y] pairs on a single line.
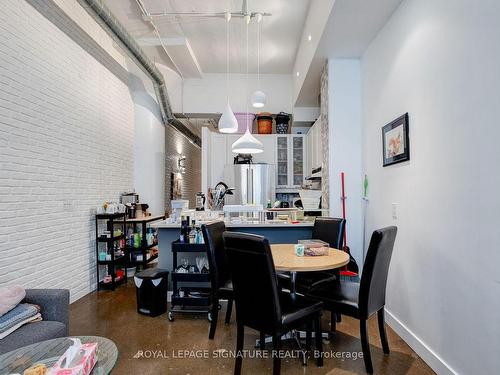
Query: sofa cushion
[[10, 296], [22, 313], [31, 333]]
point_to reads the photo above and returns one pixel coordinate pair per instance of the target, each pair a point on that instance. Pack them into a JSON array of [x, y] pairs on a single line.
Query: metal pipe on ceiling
[[104, 16]]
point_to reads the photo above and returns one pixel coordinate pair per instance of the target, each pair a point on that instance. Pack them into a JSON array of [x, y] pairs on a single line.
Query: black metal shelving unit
[[144, 249], [114, 263], [189, 303]]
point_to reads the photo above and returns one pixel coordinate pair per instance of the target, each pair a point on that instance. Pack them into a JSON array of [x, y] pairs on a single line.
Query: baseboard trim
[[427, 354]]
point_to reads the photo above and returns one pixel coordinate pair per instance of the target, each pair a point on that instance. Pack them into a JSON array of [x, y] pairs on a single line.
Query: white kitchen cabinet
[[291, 160], [268, 155], [230, 139], [314, 148], [217, 158]]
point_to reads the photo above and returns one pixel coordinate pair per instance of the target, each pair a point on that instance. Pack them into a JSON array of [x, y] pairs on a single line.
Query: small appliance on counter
[[243, 159], [132, 198], [131, 210], [200, 201]]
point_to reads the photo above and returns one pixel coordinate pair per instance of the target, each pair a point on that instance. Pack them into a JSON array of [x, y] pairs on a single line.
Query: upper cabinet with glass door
[[282, 160], [297, 160], [290, 157]]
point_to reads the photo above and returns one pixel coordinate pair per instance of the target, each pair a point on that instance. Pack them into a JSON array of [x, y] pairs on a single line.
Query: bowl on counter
[[311, 199]]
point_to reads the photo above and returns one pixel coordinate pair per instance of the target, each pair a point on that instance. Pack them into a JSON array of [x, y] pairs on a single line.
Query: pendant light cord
[[258, 53], [246, 83], [227, 60]]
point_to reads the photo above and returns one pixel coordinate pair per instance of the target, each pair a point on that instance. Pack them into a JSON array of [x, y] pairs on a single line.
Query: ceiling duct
[[103, 15]]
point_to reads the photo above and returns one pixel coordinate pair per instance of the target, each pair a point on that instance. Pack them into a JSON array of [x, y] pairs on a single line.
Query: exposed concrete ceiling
[[206, 37], [352, 25]]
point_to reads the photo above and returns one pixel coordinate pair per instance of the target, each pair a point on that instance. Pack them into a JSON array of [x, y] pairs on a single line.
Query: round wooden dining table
[[285, 260]]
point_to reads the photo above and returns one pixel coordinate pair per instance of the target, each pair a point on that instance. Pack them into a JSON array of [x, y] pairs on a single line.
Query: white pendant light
[[228, 122], [247, 143], [258, 97]]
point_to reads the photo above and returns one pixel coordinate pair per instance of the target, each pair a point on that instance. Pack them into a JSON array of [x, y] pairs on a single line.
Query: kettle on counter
[[200, 201]]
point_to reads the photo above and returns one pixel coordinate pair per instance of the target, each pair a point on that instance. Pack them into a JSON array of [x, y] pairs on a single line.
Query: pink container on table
[[241, 117], [84, 365]]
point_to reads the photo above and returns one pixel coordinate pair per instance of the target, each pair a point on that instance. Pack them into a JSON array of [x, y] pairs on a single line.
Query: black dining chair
[[327, 229], [220, 277], [260, 304], [330, 230], [362, 300]]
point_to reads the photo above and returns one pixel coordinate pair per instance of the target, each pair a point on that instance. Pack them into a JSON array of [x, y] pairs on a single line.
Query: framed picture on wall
[[396, 141]]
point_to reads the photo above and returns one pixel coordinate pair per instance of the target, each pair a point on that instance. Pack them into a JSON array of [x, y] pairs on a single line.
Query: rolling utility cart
[[105, 245], [192, 298]]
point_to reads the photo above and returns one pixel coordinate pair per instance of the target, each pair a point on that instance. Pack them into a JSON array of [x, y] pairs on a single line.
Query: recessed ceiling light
[[298, 74], [309, 38]]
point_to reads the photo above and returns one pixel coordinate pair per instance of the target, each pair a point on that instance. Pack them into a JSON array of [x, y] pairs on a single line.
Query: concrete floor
[[163, 343]]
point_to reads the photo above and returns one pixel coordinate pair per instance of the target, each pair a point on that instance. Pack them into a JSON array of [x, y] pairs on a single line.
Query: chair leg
[[215, 315], [262, 341], [276, 354], [318, 341], [381, 329], [309, 327], [365, 345], [229, 310], [239, 349], [333, 322]]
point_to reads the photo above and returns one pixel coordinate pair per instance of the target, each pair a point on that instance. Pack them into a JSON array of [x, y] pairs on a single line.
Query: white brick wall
[[66, 138]]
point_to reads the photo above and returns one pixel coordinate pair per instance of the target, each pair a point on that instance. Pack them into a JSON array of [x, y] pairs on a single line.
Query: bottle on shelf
[[183, 230], [269, 215], [187, 229], [192, 233], [199, 236]]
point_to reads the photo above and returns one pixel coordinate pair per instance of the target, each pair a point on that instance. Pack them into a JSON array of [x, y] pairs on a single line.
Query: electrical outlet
[[395, 211]]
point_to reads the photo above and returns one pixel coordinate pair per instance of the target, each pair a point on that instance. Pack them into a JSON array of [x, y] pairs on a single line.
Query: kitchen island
[[275, 232]]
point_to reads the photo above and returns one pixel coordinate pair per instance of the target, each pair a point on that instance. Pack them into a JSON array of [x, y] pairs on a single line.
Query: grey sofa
[[54, 306]]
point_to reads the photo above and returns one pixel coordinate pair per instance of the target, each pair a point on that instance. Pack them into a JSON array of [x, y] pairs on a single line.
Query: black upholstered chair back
[[330, 230], [375, 271], [217, 257], [255, 283]]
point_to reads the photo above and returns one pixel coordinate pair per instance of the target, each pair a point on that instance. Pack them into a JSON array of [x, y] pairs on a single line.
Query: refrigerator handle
[[250, 185]]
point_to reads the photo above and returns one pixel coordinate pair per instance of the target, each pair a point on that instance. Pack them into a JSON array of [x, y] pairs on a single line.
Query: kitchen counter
[[274, 232], [284, 224]]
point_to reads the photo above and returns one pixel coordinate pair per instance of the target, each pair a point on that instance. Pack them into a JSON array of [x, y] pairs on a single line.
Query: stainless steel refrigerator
[[253, 183]]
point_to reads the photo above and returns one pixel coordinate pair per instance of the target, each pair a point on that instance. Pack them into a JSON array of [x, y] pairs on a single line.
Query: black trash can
[[151, 287]]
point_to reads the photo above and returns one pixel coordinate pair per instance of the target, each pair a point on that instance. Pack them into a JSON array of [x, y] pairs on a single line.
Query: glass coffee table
[[48, 352]]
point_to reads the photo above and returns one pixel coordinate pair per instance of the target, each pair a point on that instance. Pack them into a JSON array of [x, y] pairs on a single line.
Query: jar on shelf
[[282, 120], [264, 123]]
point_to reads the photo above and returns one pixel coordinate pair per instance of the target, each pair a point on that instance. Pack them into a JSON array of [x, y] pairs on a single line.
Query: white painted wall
[[316, 20], [345, 147], [438, 60], [66, 145], [208, 94], [149, 142], [174, 86]]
